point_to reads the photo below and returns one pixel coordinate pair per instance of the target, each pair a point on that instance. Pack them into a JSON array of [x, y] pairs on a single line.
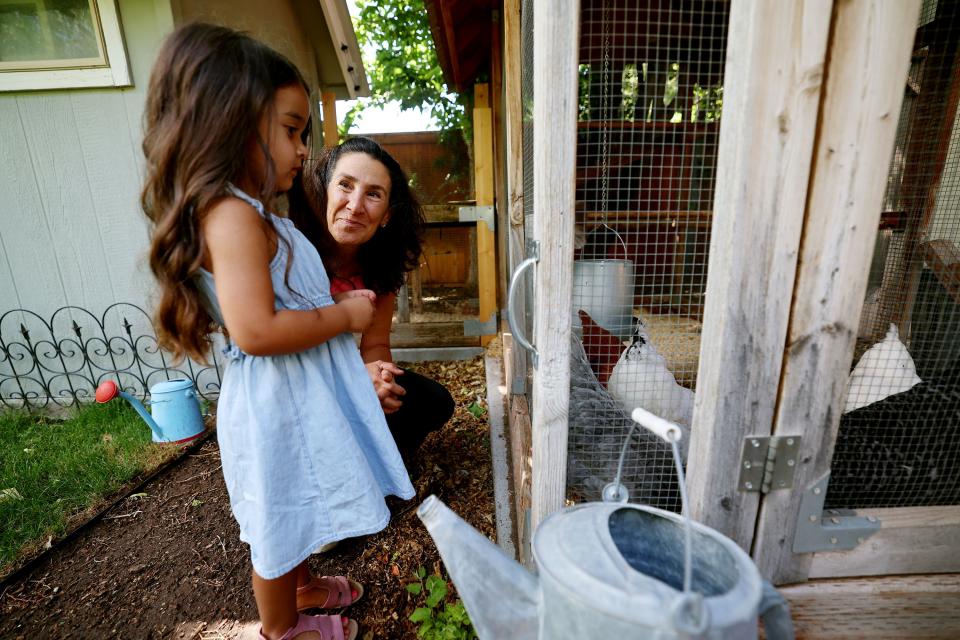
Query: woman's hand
[[382, 373]]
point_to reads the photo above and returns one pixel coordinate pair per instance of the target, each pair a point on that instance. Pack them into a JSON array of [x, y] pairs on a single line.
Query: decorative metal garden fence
[[61, 361]]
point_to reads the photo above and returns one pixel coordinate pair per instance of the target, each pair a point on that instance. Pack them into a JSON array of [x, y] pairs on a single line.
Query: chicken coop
[[742, 217]]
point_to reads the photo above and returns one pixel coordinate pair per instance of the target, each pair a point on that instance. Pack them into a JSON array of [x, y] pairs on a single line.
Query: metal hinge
[[768, 463], [833, 530], [477, 328], [477, 213]]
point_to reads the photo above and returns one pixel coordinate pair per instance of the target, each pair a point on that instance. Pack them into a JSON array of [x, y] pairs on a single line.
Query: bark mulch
[[168, 563]]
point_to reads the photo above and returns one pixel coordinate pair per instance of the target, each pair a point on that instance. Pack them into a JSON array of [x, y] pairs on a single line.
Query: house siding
[[71, 168]]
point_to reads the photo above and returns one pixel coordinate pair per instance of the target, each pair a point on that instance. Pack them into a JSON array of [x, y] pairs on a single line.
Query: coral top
[[339, 285]]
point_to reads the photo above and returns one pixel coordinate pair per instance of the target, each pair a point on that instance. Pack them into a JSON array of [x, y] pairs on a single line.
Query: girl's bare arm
[[239, 254]]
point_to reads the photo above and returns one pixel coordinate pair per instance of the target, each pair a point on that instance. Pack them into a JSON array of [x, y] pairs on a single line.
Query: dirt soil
[[168, 563]]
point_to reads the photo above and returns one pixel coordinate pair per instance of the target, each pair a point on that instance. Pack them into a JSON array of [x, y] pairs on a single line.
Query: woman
[[357, 208]]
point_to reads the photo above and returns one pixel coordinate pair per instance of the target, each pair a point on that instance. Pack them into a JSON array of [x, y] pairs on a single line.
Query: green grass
[[53, 471]]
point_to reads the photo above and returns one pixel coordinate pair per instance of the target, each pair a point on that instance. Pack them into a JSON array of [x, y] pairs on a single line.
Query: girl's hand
[[356, 293], [382, 374], [359, 310]]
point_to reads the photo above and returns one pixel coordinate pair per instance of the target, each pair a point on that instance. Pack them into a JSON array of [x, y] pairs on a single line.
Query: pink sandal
[[329, 628], [341, 591]]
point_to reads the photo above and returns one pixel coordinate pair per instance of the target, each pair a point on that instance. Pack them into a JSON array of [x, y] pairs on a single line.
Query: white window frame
[[115, 73]]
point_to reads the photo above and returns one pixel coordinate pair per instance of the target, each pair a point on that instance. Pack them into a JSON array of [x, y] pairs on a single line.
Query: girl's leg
[[276, 602], [277, 605], [326, 592], [303, 574]]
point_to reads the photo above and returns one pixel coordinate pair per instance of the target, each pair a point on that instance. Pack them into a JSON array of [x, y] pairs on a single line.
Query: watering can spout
[[176, 414], [108, 390], [501, 597]]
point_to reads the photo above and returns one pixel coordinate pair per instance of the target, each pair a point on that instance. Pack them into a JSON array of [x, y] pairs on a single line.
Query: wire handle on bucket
[[626, 254], [688, 612]]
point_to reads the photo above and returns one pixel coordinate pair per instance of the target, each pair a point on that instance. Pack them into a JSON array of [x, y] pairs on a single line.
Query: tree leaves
[[404, 67]]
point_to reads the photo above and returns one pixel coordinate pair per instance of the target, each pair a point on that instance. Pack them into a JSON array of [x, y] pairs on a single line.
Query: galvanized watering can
[[609, 570], [176, 413]]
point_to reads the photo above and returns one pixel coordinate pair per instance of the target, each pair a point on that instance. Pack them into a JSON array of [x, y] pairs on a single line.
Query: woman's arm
[[375, 351], [239, 253]]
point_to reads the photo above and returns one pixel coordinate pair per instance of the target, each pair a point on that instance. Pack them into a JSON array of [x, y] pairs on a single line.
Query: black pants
[[426, 407]]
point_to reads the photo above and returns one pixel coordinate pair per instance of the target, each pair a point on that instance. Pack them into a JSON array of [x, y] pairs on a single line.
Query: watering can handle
[[511, 314], [775, 612]]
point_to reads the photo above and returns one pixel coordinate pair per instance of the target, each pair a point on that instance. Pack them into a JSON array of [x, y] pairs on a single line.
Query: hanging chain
[[605, 113]]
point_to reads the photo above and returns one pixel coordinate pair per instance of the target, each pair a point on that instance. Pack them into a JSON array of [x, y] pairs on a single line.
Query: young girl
[[307, 456]]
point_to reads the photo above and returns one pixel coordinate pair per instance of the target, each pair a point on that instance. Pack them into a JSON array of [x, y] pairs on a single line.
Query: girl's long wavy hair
[[208, 90], [393, 250]]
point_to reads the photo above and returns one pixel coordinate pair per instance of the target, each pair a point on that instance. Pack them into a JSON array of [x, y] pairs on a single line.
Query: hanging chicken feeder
[[604, 289]]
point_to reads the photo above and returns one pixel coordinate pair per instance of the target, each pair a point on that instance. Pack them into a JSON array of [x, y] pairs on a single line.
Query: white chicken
[[641, 379], [884, 369]]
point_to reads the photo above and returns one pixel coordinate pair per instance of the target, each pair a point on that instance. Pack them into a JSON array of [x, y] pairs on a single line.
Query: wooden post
[[483, 185], [933, 115], [416, 290], [499, 164], [772, 88], [554, 165], [403, 303], [515, 362], [331, 137], [869, 56]]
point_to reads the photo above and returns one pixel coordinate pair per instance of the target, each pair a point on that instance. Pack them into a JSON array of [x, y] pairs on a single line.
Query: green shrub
[[439, 619]]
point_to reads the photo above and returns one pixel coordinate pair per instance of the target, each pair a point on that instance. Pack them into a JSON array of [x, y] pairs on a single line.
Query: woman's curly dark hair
[[394, 249]]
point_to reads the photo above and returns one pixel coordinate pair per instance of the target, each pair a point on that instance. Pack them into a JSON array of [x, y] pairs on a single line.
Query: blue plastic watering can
[[176, 413]]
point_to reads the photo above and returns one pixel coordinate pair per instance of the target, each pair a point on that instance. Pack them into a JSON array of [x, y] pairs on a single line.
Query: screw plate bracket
[[834, 530], [477, 328], [477, 213]]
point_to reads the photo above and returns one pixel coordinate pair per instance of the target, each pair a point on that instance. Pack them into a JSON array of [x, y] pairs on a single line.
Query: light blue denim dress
[[307, 454]]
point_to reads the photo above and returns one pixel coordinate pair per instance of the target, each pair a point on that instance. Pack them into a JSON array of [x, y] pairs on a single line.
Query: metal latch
[[477, 328], [835, 530], [477, 213], [768, 463]]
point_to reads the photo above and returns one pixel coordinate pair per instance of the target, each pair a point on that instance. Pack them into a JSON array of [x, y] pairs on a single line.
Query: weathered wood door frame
[[813, 90]]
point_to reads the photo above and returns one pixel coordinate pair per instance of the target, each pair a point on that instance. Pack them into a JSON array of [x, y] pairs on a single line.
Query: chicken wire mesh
[[650, 101], [898, 443], [526, 99]]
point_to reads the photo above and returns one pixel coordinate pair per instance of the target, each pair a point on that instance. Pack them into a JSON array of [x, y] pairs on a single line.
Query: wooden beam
[[894, 607], [775, 55], [416, 290], [522, 470], [869, 48], [499, 164], [933, 118], [403, 302], [554, 165], [430, 334], [483, 186], [943, 258], [331, 137], [910, 540], [453, 54], [441, 213], [511, 207]]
